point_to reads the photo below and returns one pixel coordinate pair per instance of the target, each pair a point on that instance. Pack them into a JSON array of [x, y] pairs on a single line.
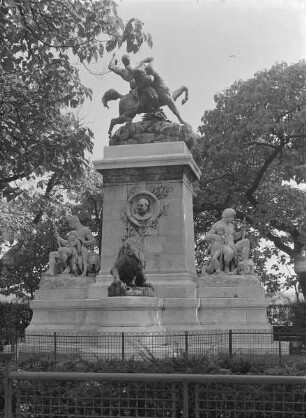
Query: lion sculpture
[[128, 272]]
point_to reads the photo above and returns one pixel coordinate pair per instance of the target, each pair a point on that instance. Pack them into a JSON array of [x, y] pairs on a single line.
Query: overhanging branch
[[263, 169]]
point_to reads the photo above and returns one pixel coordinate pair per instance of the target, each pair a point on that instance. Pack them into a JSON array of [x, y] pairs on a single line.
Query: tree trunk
[[302, 283], [300, 269]]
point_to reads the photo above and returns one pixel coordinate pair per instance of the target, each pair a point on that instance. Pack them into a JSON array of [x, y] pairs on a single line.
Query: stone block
[[61, 294], [112, 210], [159, 149], [173, 284], [230, 292], [229, 317], [99, 289], [115, 193], [64, 281], [180, 313]]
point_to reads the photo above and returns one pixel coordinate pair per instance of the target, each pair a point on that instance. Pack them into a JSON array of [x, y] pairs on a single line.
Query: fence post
[[185, 400], [16, 345], [7, 357], [186, 343], [279, 344], [230, 343], [197, 401], [55, 348], [122, 345]]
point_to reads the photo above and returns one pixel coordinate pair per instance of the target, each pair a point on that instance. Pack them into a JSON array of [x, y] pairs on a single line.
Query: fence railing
[[66, 395], [61, 347]]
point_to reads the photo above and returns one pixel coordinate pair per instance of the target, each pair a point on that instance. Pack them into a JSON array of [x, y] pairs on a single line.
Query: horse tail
[[110, 94]]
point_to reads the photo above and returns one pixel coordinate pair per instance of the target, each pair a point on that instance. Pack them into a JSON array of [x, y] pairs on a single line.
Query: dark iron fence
[[66, 395], [61, 347], [284, 339]]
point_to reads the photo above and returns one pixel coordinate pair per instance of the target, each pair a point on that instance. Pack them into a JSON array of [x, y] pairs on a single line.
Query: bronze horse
[[149, 99]]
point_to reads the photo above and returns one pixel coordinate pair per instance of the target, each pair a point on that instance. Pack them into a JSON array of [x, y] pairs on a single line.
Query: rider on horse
[[138, 76], [148, 92]]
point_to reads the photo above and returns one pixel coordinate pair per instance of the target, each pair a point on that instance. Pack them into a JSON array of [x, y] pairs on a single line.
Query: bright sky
[[205, 45]]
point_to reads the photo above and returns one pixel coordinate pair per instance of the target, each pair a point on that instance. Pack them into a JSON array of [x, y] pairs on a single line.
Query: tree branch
[[53, 181], [267, 163], [264, 144], [278, 119], [280, 245], [18, 176]]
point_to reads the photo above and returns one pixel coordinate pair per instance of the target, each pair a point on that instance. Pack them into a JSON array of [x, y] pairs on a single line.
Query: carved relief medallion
[[142, 208]]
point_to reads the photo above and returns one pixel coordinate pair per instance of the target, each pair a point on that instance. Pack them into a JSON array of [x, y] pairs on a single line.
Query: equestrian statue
[[148, 91]]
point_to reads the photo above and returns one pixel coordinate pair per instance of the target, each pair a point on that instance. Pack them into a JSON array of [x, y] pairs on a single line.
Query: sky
[[204, 44]]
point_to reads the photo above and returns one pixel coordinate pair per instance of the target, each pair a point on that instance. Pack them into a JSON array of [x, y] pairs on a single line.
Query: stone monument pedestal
[[65, 303], [161, 174], [234, 302], [62, 304], [148, 193], [159, 178]]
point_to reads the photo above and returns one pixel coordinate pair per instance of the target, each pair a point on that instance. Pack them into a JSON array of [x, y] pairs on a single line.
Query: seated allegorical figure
[[72, 253], [227, 247]]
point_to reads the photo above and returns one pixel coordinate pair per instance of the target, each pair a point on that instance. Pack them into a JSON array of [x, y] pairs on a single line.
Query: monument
[[147, 280]]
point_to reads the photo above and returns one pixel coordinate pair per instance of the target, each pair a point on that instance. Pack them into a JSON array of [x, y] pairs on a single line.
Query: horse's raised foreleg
[[177, 93], [172, 106], [119, 120]]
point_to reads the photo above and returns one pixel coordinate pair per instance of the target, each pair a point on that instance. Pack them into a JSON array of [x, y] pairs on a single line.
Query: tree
[[253, 152], [39, 83], [44, 147], [25, 261]]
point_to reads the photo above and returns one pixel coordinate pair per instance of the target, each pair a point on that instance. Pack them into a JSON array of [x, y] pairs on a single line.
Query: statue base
[[224, 301], [154, 131], [77, 315], [120, 289], [65, 303], [229, 301]]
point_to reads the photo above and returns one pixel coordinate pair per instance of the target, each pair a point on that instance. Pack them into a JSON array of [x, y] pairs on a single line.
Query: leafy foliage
[[201, 364], [39, 40], [26, 260], [253, 147], [14, 316], [44, 147]]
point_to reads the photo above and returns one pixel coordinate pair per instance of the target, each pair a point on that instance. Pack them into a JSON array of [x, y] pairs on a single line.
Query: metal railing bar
[[198, 378]]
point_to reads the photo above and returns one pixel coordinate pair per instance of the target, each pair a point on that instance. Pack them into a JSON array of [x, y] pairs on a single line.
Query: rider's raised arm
[[112, 62], [112, 66]]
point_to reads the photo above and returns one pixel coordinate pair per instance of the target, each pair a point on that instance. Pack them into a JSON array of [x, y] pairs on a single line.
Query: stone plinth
[[67, 304], [63, 304], [163, 174], [153, 131], [232, 302]]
